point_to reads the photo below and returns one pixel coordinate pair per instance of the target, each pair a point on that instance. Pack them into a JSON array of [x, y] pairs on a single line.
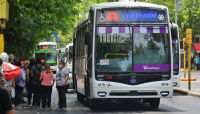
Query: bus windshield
[[50, 57], [137, 49]]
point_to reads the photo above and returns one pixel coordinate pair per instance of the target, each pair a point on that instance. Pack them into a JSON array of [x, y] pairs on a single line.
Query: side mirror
[[88, 38], [174, 31], [181, 44]]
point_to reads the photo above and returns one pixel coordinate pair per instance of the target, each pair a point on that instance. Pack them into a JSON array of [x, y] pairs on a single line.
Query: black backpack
[[36, 73]]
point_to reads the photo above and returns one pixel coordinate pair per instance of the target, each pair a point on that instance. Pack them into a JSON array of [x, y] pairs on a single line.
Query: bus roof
[[127, 5], [69, 45], [47, 43], [122, 5]]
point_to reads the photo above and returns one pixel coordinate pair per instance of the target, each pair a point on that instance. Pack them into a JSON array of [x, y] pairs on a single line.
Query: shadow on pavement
[[130, 107]]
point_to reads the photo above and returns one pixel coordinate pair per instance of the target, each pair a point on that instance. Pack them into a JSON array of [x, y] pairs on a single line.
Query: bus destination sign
[[124, 16], [45, 47]]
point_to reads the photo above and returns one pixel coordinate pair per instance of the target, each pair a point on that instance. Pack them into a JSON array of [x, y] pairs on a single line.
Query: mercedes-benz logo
[[133, 75]]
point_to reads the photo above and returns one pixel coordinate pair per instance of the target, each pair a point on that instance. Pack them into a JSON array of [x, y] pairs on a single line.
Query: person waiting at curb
[[19, 86], [5, 101], [46, 86], [62, 85], [35, 73]]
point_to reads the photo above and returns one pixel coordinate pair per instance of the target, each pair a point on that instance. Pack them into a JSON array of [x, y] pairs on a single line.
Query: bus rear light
[[102, 94], [164, 93]]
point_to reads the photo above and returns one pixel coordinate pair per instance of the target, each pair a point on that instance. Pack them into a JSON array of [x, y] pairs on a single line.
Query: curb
[[181, 91], [187, 93], [186, 79]]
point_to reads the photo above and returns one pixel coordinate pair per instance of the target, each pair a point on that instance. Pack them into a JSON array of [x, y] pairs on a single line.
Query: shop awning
[[197, 47]]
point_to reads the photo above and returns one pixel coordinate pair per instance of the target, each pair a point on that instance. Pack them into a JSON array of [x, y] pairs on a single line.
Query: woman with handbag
[[62, 85], [47, 85], [10, 83], [19, 86]]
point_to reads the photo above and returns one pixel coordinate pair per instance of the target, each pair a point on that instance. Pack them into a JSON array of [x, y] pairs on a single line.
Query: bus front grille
[[133, 93]]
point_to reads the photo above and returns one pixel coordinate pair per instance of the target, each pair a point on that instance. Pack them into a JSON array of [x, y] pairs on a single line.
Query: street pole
[[175, 11], [184, 63], [189, 66], [4, 17], [185, 48], [189, 42], [1, 43]]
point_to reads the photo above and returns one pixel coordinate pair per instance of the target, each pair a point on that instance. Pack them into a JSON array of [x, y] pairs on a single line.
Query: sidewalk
[[195, 85]]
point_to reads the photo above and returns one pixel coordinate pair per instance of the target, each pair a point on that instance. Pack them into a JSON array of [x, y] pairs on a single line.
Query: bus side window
[[91, 20]]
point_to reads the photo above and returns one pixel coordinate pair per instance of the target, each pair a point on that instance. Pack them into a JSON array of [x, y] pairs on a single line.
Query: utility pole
[[175, 11], [185, 48], [178, 7], [4, 17], [189, 42]]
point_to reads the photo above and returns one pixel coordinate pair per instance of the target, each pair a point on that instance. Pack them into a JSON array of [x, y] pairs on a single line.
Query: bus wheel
[[95, 103], [154, 102], [80, 97]]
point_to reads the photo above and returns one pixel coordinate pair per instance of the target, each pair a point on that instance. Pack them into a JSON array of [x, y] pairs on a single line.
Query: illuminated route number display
[[131, 16], [44, 47]]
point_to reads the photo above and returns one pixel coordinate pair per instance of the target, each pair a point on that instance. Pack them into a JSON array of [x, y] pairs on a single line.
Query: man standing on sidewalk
[[35, 73], [197, 61], [192, 61]]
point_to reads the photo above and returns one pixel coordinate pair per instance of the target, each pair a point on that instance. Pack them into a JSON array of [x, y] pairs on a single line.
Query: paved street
[[195, 85], [183, 104], [177, 104]]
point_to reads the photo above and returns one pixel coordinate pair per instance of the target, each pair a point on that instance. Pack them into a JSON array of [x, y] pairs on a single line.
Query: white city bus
[[61, 54], [69, 54], [47, 51], [176, 55], [123, 50]]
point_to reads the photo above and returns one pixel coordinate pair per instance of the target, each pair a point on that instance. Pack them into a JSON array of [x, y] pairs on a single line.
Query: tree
[[33, 21], [188, 17]]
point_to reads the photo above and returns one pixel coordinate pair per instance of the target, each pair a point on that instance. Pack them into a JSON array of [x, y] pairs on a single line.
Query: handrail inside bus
[[115, 54]]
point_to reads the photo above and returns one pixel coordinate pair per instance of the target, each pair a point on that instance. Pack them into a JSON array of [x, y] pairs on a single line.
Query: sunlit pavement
[[180, 103], [195, 85]]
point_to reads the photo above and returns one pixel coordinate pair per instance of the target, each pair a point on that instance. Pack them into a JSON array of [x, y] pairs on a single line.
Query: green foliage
[[188, 17], [63, 40], [32, 21], [151, 45]]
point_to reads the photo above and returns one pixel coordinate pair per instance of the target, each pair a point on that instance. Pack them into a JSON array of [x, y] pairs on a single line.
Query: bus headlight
[[165, 76], [102, 94], [164, 93]]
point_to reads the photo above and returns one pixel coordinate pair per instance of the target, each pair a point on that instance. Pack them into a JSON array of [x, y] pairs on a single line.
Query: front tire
[[80, 97], [95, 103], [154, 102]]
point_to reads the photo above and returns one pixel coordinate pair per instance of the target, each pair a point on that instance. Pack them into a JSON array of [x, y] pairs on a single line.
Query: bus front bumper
[[148, 90]]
